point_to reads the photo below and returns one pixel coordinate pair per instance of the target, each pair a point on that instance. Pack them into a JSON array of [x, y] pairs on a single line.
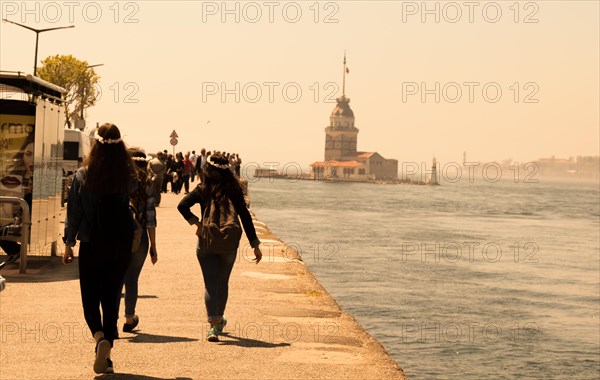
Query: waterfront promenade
[[282, 323]]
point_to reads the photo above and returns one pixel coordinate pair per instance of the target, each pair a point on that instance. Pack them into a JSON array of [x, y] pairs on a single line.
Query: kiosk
[[31, 163]]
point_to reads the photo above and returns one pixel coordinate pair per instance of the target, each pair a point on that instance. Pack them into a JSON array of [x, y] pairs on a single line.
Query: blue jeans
[[133, 274], [216, 269]]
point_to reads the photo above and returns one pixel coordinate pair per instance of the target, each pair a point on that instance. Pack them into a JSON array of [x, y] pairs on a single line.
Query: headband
[[102, 140], [220, 166]]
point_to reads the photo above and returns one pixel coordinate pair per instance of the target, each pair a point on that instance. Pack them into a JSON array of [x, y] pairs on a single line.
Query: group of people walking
[[180, 170], [111, 210]]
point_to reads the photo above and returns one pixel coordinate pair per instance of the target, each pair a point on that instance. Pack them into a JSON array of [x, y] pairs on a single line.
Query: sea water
[[467, 280]]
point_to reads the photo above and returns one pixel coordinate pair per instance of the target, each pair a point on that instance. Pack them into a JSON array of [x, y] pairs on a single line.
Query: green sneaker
[[213, 334], [221, 326]]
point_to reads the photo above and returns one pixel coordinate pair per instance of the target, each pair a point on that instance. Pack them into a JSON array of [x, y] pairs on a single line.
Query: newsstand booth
[[31, 155]]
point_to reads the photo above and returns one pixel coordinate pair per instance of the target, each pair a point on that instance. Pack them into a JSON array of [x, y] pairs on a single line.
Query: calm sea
[[460, 281]]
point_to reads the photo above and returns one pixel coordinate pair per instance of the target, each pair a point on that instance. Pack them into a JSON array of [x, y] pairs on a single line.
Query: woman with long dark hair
[[143, 200], [98, 216], [221, 200]]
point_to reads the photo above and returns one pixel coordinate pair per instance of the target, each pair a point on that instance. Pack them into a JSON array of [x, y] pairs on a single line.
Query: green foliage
[[74, 76]]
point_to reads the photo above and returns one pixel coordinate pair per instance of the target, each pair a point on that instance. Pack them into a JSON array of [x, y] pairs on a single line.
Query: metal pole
[[82, 89], [82, 94], [37, 38], [25, 223], [344, 80], [37, 35], [82, 97]]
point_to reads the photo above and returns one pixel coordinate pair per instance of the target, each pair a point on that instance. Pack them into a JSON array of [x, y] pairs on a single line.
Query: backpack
[[220, 230]]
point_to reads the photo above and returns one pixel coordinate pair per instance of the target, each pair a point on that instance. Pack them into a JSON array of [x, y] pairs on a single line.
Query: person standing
[[158, 166], [188, 170], [200, 161], [177, 171], [143, 200], [168, 177], [220, 196], [98, 216], [235, 162], [238, 165], [193, 158]]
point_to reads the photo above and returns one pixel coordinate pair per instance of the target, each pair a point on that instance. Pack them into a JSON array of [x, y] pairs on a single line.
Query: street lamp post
[[82, 87], [37, 37]]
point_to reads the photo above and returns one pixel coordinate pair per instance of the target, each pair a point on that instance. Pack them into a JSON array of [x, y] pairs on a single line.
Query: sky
[[497, 80]]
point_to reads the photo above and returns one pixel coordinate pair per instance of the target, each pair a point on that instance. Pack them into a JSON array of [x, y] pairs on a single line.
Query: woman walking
[[143, 200], [98, 216], [221, 200], [178, 168]]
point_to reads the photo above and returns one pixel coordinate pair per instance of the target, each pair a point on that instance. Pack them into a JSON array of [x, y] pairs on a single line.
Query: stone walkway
[[282, 323]]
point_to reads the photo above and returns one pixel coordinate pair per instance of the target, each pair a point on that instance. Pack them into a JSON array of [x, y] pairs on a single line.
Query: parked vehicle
[[76, 147]]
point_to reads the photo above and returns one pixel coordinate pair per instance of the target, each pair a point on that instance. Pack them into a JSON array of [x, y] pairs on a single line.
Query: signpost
[[174, 140]]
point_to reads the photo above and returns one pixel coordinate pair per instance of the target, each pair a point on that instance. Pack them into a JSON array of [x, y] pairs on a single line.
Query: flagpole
[[344, 80]]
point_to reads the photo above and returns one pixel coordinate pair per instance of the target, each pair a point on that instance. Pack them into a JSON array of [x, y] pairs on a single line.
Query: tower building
[[342, 160], [341, 134]]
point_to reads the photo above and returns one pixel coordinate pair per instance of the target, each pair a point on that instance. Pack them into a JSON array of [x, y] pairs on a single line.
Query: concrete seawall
[[282, 323]]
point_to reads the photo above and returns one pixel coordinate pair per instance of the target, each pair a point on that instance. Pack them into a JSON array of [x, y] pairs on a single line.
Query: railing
[[25, 224]]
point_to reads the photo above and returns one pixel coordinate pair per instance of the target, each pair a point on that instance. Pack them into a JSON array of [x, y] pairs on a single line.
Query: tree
[[76, 78]]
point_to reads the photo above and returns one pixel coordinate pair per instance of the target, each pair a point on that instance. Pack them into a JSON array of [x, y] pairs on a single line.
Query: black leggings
[[186, 183], [10, 247], [102, 268]]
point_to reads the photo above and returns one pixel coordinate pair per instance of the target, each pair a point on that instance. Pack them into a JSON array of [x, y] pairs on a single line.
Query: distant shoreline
[[342, 180]]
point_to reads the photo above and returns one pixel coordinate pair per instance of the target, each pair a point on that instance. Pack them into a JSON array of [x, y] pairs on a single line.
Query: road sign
[[174, 141], [173, 135]]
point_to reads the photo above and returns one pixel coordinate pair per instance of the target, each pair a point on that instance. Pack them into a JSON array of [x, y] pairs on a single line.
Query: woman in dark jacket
[[98, 216], [220, 193], [178, 168]]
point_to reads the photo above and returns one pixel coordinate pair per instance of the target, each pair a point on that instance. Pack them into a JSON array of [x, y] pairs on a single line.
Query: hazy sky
[[169, 65]]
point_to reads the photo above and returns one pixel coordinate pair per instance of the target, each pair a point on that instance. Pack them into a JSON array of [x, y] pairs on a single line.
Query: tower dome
[[342, 108]]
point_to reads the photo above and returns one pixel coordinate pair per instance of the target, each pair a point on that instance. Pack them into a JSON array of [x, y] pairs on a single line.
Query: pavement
[[282, 324]]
